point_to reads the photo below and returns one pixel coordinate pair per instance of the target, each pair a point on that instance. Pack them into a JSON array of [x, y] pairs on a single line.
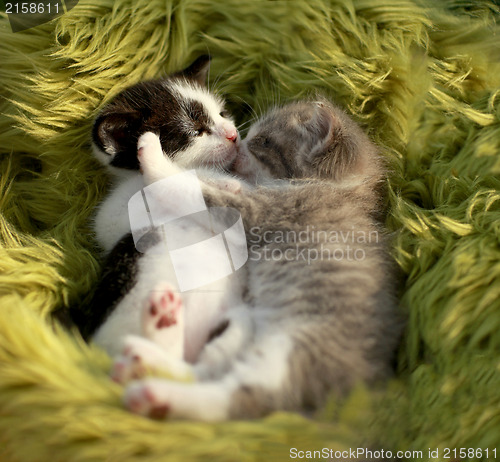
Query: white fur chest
[[111, 221]]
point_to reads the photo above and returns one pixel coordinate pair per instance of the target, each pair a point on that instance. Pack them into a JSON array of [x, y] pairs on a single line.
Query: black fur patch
[[152, 106], [147, 106], [218, 330], [117, 278]]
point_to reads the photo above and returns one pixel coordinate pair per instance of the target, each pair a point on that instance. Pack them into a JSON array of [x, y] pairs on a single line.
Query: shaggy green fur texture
[[423, 78]]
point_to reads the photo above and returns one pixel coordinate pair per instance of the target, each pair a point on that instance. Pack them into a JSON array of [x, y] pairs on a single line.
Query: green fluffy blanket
[[422, 78]]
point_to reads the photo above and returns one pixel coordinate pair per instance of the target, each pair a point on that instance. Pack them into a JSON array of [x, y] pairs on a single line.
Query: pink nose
[[232, 135]]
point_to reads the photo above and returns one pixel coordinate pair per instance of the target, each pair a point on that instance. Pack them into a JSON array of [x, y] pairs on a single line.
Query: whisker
[[244, 124], [217, 80]]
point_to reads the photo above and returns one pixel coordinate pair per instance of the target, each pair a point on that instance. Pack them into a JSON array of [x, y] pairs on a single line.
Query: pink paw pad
[[159, 411], [163, 319], [164, 308]]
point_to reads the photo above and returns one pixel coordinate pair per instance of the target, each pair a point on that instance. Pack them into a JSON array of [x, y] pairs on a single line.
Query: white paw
[[148, 398], [231, 185], [135, 360], [141, 357], [147, 141], [153, 163]]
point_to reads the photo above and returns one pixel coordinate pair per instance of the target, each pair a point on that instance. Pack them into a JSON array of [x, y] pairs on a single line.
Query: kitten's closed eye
[[201, 131]]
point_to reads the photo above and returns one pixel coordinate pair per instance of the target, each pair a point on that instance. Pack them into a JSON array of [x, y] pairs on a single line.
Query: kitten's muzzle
[[228, 132], [232, 135]]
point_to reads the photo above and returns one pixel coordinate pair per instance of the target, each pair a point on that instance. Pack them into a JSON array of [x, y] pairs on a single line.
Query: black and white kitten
[[318, 312], [194, 131]]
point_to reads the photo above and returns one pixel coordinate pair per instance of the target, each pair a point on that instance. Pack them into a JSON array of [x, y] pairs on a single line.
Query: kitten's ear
[[340, 157], [198, 70], [337, 153], [115, 134]]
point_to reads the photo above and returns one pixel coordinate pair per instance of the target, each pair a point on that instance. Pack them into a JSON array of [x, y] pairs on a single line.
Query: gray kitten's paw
[[231, 185]]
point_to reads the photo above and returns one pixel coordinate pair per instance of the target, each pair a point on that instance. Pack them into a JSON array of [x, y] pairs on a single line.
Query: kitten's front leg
[[173, 193], [155, 166], [231, 185], [153, 163]]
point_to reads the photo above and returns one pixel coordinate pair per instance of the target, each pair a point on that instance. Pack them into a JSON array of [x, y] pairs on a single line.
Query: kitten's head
[[306, 139], [193, 126]]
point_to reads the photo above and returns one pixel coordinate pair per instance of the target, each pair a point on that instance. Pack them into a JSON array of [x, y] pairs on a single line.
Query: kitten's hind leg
[[259, 382], [141, 357], [163, 319], [161, 399]]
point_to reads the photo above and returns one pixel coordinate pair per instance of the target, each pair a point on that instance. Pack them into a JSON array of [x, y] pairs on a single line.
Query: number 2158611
[[31, 8], [469, 453]]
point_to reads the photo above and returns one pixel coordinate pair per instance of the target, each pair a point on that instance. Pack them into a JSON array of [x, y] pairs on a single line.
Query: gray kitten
[[319, 312]]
